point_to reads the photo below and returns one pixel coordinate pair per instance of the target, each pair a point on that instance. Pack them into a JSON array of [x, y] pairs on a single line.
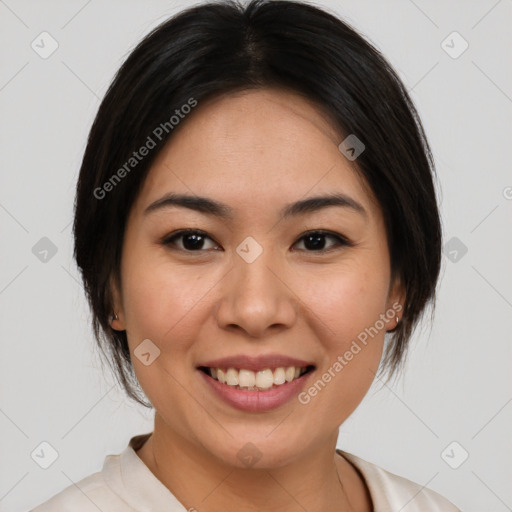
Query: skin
[[245, 150]]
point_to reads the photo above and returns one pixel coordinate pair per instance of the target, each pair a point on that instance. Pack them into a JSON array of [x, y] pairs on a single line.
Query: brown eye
[[315, 241], [191, 240]]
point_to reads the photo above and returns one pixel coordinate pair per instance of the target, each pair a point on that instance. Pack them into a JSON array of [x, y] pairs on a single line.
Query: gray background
[[457, 385]]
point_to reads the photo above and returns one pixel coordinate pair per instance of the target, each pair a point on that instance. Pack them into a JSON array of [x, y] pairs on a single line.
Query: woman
[[257, 231]]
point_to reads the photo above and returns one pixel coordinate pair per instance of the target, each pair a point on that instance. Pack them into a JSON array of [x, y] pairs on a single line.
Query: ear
[[395, 304], [117, 305]]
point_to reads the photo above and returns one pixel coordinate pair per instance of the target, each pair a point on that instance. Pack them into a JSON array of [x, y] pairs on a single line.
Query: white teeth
[[264, 379], [290, 373], [260, 380], [246, 378], [232, 377], [279, 376]]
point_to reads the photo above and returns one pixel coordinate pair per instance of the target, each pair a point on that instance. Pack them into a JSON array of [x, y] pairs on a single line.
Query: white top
[[126, 484]]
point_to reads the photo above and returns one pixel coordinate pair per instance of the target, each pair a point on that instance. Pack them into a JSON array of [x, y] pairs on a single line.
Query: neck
[[316, 482]]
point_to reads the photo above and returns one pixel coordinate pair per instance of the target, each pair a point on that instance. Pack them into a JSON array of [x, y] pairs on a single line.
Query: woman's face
[[254, 286]]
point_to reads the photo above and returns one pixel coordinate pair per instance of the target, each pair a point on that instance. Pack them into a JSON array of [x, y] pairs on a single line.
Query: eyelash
[[341, 240]]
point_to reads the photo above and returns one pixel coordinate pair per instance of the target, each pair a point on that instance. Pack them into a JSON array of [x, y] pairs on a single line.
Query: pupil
[[318, 241], [196, 243]]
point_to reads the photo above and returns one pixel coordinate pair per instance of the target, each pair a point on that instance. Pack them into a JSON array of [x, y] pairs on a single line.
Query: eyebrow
[[216, 209]]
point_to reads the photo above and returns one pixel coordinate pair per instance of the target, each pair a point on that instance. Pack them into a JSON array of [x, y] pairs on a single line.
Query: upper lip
[[256, 363]]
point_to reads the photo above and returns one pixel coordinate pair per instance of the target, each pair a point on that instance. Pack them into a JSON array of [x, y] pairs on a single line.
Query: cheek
[[162, 303], [349, 304], [165, 302], [154, 299], [348, 301]]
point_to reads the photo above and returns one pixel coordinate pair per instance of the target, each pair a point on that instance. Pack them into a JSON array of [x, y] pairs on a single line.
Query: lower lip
[[256, 401]]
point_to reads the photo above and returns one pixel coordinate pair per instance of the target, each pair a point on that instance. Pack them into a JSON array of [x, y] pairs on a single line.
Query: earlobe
[[116, 323], [113, 317], [395, 306], [394, 315], [116, 317]]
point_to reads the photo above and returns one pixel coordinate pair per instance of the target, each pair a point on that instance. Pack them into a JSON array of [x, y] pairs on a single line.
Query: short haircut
[[216, 48]]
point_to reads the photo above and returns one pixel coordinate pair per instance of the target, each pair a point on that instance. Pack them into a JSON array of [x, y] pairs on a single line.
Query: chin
[[259, 451]]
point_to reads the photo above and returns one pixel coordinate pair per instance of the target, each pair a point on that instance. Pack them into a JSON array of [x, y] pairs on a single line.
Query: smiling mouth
[[263, 380]]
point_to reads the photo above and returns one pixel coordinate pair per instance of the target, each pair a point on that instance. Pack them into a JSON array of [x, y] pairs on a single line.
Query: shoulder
[[88, 495], [393, 492]]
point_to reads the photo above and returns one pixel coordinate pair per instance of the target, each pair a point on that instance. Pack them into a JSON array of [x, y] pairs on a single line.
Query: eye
[[314, 241], [193, 240]]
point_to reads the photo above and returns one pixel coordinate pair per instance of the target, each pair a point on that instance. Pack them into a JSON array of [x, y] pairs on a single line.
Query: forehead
[[254, 147]]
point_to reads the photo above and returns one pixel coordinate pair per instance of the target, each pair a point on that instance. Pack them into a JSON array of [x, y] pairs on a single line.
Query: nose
[[256, 299]]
